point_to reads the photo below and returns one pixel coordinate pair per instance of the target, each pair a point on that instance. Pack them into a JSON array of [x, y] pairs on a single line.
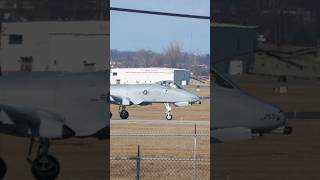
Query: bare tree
[[173, 54]]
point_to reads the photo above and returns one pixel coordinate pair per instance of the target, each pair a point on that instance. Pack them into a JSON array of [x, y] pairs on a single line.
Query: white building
[[54, 46], [148, 75]]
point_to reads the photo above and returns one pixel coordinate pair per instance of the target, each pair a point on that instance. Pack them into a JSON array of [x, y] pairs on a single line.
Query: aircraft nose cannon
[[195, 99], [281, 121]]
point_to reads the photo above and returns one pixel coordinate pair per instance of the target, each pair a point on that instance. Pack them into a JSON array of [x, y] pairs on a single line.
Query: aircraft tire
[[169, 117], [288, 130], [3, 168], [45, 169], [124, 114]]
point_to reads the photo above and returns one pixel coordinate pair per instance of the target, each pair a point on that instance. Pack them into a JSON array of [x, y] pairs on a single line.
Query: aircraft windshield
[[170, 84], [222, 81]]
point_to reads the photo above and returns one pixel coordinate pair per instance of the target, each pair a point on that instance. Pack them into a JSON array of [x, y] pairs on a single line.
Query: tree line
[[172, 57]]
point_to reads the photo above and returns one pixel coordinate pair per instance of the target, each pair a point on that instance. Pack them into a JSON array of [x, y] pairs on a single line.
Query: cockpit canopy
[[169, 84], [222, 81]]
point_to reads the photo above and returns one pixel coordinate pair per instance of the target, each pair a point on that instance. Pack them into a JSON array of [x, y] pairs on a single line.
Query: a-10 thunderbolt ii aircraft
[[167, 92], [49, 106], [236, 115]]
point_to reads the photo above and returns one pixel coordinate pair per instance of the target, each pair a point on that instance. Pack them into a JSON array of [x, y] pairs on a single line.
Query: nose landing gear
[[287, 130], [168, 111]]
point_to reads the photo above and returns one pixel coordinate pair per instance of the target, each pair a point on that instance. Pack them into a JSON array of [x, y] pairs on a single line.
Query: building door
[[26, 64]]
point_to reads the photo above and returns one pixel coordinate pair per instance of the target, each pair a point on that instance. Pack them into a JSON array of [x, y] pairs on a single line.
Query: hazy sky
[[131, 31]]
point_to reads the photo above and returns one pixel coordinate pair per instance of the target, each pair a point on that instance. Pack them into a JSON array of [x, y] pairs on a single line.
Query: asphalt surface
[[302, 115], [176, 122]]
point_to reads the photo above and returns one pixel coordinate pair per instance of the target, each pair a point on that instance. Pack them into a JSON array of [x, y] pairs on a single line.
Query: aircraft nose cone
[[67, 132], [195, 99], [281, 117]]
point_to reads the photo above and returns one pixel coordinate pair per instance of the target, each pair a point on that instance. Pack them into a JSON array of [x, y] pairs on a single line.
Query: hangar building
[[54, 46], [148, 75], [233, 44]]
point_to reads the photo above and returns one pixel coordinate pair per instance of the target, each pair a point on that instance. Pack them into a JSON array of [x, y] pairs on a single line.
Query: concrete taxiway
[[176, 122]]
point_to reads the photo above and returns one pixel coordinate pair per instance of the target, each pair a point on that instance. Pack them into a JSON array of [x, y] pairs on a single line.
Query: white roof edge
[[56, 21], [232, 26], [160, 68]]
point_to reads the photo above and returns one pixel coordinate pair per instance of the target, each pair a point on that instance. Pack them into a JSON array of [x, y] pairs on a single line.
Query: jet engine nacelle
[[231, 134], [181, 104]]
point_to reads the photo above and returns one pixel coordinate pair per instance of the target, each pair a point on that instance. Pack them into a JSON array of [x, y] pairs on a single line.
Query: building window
[[114, 74], [15, 39]]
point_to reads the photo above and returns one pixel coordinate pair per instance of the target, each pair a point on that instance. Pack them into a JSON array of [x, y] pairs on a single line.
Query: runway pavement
[[175, 122]]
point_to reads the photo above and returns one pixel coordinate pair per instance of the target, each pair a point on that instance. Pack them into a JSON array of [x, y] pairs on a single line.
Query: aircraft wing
[[230, 134], [120, 100], [27, 122], [45, 104]]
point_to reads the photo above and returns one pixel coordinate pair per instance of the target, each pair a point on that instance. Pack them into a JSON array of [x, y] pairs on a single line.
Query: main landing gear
[[124, 114], [168, 111], [44, 166], [3, 169]]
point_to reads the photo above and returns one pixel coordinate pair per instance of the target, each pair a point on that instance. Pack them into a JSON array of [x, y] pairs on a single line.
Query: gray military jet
[[48, 106], [236, 115], [167, 92]]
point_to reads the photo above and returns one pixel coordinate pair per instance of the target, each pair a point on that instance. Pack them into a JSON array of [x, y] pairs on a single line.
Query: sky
[[132, 31]]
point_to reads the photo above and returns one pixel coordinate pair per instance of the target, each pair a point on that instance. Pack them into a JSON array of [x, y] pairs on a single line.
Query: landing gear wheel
[[110, 115], [3, 168], [124, 114], [288, 130], [45, 168], [169, 117]]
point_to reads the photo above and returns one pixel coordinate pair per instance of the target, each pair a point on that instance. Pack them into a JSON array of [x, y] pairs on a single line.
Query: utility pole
[[100, 9]]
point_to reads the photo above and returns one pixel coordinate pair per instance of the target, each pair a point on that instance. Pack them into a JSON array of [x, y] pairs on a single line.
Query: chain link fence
[[141, 168], [158, 155]]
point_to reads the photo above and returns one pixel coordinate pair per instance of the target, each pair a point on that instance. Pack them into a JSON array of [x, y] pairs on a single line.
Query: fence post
[[138, 160], [194, 152]]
